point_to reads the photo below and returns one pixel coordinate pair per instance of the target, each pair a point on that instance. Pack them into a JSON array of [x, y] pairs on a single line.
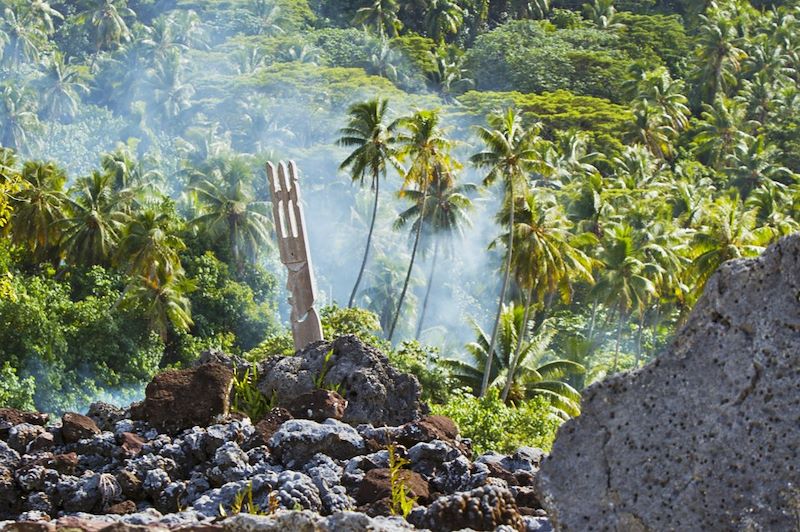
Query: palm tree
[[624, 284], [106, 16], [92, 231], [374, 149], [149, 247], [601, 13], [60, 87], [546, 262], [666, 95], [649, 128], [38, 207], [446, 207], [18, 116], [380, 15], [531, 377], [753, 164], [510, 154], [380, 296], [720, 131], [22, 39], [717, 55], [171, 95], [443, 18], [423, 141], [268, 13], [161, 39], [229, 211], [530, 9], [729, 232], [40, 13], [164, 303]]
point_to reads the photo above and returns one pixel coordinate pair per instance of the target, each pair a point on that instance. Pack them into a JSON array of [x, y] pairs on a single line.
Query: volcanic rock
[[427, 429], [132, 444], [180, 399], [105, 415], [705, 437], [268, 426], [377, 485], [318, 405], [299, 439], [21, 435], [76, 427], [375, 392], [484, 508], [10, 417]]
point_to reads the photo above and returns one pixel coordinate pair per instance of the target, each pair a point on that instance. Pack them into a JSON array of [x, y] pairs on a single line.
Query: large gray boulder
[[706, 437], [376, 393]]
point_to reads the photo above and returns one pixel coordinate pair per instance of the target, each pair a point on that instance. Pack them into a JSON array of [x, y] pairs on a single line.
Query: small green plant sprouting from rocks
[[243, 502], [402, 502], [319, 382], [247, 399]]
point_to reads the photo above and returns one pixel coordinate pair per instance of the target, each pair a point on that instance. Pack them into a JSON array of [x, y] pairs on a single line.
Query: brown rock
[[64, 463], [484, 508], [181, 399], [130, 484], [427, 429], [498, 471], [318, 405], [131, 444], [43, 442], [527, 498], [376, 485], [76, 427], [122, 508], [268, 426], [124, 527], [11, 416]]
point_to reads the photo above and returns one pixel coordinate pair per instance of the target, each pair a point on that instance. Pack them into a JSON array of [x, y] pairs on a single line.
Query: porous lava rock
[[705, 437], [318, 405], [268, 426], [76, 427], [376, 392], [180, 399], [484, 508], [10, 417], [377, 485], [300, 439]]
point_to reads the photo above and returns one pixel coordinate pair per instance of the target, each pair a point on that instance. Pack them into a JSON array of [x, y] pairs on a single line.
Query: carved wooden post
[[290, 228]]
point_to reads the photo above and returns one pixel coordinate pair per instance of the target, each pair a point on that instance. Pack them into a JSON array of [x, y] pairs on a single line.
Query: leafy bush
[[493, 425], [16, 392]]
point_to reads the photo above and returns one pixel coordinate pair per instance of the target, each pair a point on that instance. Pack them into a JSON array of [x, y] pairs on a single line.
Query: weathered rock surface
[[176, 400], [484, 508], [76, 427], [706, 436], [10, 417], [375, 392], [318, 405]]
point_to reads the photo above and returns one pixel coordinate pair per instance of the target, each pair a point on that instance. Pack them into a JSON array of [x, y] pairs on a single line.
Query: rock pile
[[186, 463], [706, 436]]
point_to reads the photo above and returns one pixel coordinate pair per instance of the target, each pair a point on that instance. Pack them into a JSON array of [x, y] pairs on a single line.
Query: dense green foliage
[[515, 197]]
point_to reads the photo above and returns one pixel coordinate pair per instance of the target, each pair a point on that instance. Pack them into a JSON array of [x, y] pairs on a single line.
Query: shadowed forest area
[[513, 199]]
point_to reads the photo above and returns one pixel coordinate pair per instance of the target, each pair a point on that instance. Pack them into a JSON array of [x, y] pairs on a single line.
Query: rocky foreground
[[181, 460]]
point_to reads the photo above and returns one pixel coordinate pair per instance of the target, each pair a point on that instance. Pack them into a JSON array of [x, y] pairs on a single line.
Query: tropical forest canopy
[[542, 188]]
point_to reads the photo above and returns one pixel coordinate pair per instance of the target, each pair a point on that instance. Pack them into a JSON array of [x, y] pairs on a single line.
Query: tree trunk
[[592, 321], [427, 291], [411, 263], [510, 251], [520, 340], [616, 349], [639, 340], [376, 182]]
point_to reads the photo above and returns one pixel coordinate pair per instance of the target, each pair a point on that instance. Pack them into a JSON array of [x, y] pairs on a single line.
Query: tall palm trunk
[[639, 340], [520, 340], [427, 291], [411, 263], [593, 320], [619, 339], [376, 182], [506, 277]]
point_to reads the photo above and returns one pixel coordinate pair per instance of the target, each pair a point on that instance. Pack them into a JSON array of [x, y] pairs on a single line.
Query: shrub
[[493, 425], [16, 392]]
